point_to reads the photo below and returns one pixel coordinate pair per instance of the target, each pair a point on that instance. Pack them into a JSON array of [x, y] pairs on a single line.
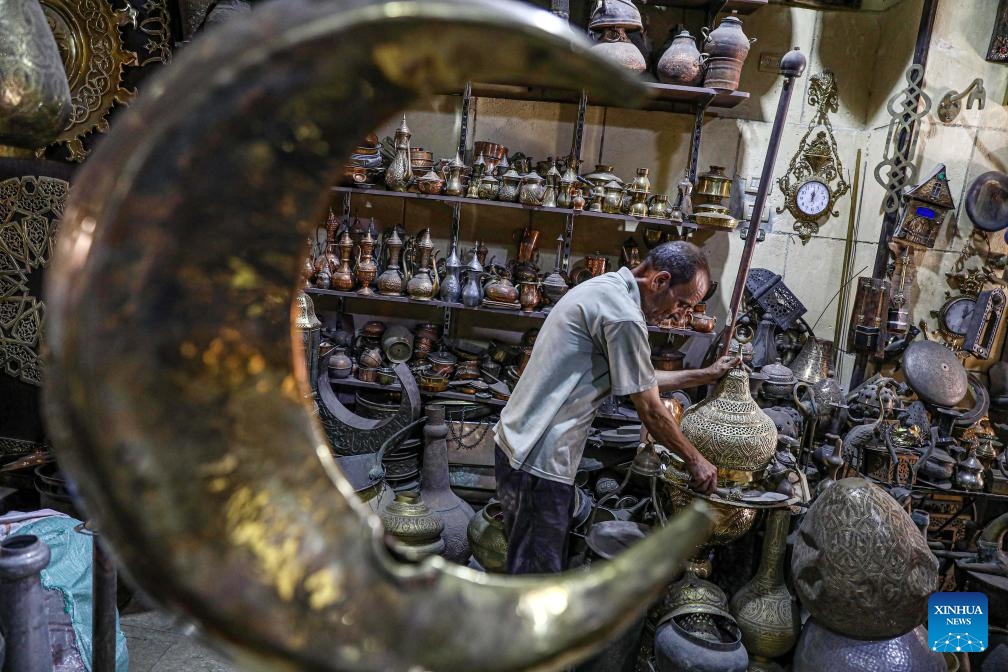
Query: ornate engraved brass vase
[[390, 282], [399, 174], [329, 260], [307, 322], [416, 529], [342, 278], [765, 610], [423, 284], [366, 267], [451, 283], [730, 429], [860, 566]]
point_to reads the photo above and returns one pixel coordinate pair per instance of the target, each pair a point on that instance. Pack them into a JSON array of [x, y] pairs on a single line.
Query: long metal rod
[[579, 127], [890, 220], [792, 65], [103, 610], [464, 121], [905, 137]]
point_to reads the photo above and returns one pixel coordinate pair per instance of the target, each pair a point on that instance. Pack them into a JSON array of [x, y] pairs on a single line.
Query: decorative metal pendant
[[814, 180]]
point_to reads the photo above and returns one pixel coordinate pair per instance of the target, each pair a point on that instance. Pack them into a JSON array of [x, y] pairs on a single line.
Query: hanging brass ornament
[[93, 53], [814, 180]]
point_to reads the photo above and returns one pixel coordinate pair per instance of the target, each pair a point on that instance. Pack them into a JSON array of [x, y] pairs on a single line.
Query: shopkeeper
[[593, 344]]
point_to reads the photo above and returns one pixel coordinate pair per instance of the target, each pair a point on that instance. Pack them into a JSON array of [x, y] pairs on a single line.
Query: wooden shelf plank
[[435, 303], [740, 6], [649, 221]]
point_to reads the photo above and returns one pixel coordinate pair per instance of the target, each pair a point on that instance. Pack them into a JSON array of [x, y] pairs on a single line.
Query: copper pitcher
[[596, 264]]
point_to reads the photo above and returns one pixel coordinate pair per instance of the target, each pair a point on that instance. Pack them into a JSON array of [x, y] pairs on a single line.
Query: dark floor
[[159, 642]]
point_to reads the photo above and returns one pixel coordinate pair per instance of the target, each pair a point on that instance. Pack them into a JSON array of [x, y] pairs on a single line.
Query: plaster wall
[[868, 52]]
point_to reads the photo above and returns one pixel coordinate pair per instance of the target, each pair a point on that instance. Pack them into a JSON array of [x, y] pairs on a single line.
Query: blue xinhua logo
[[957, 622]]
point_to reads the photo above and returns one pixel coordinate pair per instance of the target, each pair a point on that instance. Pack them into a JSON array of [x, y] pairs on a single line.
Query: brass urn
[[730, 429], [416, 531], [860, 565]]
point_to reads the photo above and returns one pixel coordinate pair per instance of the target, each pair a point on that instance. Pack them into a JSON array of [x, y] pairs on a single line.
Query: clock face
[[956, 314], [812, 198]]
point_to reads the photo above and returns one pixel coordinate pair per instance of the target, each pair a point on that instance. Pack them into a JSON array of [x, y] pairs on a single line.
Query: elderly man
[[593, 344]]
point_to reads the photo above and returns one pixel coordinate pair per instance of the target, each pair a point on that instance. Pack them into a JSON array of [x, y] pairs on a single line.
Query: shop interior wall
[[868, 52]]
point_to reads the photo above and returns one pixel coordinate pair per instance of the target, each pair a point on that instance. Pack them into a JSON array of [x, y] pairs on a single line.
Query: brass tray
[[87, 34]]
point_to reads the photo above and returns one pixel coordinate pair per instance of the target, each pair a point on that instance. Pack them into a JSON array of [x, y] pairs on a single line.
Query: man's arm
[[663, 427], [681, 380]]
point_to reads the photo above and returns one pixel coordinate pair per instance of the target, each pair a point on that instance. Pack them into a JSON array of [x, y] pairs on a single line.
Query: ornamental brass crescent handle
[[176, 394]]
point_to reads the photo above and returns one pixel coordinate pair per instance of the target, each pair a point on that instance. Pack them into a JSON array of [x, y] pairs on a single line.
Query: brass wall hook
[[951, 103]]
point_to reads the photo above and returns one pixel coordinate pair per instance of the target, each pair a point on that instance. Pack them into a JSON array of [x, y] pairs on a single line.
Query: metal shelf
[[436, 303], [353, 383], [650, 221], [661, 98], [713, 6]]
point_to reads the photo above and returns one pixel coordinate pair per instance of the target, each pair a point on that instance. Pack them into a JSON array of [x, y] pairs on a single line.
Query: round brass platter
[[87, 34]]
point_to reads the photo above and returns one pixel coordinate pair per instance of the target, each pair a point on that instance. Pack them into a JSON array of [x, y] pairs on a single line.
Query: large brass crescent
[[176, 395]]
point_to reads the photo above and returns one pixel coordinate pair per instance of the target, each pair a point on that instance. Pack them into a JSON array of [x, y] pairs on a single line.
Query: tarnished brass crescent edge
[[172, 395]]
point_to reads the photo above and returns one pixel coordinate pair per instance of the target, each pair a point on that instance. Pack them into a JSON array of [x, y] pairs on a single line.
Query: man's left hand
[[723, 365]]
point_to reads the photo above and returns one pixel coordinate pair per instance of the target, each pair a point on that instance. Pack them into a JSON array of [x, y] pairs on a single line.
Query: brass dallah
[[202, 463]]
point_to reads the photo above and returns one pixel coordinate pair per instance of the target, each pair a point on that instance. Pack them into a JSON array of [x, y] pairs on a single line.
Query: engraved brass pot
[[414, 526], [729, 428], [34, 93], [239, 517]]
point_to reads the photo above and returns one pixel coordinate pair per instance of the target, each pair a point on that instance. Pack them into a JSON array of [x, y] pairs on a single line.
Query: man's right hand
[[704, 475]]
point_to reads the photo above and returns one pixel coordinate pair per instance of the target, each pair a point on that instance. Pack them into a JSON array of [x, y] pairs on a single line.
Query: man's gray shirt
[[593, 343]]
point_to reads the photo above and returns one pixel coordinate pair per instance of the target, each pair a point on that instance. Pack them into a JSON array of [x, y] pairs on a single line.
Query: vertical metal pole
[[464, 126], [103, 610], [792, 66], [568, 235], [921, 50], [22, 604], [579, 129], [561, 8], [904, 140], [694, 157]]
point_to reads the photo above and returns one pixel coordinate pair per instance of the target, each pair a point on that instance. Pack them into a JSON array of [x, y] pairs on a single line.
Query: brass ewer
[[343, 277], [399, 174], [765, 610], [390, 282], [210, 475]]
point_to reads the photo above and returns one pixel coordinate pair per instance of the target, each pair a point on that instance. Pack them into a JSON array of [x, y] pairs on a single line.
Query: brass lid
[[778, 374]]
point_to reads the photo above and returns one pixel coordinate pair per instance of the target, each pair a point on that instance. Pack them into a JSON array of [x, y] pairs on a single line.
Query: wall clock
[[814, 180]]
